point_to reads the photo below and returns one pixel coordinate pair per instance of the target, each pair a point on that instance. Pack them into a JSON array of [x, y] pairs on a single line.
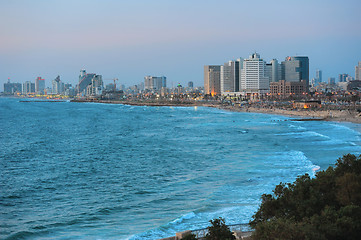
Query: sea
[[111, 171]]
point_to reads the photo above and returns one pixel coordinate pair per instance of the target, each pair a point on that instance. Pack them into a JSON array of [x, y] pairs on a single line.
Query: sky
[[131, 39]]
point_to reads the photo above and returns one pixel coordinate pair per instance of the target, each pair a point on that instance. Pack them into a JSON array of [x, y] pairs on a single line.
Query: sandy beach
[[308, 114], [303, 114]]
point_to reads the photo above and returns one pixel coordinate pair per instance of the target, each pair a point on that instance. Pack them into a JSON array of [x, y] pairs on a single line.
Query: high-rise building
[[276, 71], [230, 75], [84, 80], [155, 83], [268, 71], [190, 84], [95, 87], [342, 77], [58, 86], [318, 76], [39, 85], [331, 81], [358, 71], [295, 69], [253, 77], [28, 87], [89, 83], [11, 88], [349, 78], [212, 79], [273, 71]]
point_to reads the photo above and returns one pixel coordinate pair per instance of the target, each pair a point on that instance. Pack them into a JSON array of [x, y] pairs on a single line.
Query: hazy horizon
[[129, 40]]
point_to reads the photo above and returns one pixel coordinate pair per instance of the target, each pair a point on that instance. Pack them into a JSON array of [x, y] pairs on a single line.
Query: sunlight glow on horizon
[[109, 34]]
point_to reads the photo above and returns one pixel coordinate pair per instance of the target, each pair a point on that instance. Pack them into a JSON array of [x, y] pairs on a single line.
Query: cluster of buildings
[[90, 84], [344, 82], [37, 88], [251, 77], [255, 77]]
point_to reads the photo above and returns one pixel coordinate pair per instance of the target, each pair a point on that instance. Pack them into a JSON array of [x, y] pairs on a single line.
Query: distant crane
[[114, 84]]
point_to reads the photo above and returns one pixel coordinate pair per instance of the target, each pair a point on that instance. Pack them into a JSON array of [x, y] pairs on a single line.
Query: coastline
[[302, 114]]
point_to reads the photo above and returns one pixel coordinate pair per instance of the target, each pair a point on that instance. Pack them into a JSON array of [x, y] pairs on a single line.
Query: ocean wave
[[296, 127], [304, 134], [27, 235]]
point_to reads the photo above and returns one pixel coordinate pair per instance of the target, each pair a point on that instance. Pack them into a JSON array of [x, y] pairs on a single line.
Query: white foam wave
[[184, 217], [303, 134], [296, 127]]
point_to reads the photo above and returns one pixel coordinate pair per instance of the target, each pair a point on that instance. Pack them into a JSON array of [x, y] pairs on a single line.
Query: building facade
[[28, 88], [342, 77], [155, 83], [212, 79], [286, 89], [331, 81], [230, 76], [295, 69], [95, 87], [358, 71], [11, 88], [253, 75], [39, 85], [57, 86], [90, 84], [318, 76]]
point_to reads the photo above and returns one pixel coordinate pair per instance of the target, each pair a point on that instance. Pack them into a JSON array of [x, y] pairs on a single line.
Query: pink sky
[[131, 39]]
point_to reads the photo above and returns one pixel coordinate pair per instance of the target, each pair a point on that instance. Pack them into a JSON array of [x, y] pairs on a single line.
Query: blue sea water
[[107, 171]]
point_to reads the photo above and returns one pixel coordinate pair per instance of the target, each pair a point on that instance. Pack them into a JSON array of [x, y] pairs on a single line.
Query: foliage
[[190, 237], [325, 207], [219, 230]]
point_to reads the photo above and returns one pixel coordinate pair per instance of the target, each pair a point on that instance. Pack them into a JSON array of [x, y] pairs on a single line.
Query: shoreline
[[301, 114], [305, 115]]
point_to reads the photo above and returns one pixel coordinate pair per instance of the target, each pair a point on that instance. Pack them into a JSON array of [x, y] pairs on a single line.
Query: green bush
[[190, 237], [325, 207], [219, 230]]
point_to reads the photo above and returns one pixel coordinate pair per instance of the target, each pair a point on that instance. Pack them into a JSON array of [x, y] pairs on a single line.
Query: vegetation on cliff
[[325, 207]]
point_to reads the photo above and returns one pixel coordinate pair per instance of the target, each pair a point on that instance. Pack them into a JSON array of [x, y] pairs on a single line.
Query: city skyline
[[128, 40]]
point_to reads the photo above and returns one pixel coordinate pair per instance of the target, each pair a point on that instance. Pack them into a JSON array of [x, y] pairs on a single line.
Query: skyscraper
[[276, 71], [318, 76], [295, 69], [11, 88], [331, 81], [230, 75], [155, 83], [39, 85], [342, 77], [58, 86], [212, 79], [358, 71], [28, 87], [95, 87], [253, 78], [86, 79], [273, 71]]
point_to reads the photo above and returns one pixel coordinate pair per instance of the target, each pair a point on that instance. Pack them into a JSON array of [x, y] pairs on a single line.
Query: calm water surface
[[103, 171]]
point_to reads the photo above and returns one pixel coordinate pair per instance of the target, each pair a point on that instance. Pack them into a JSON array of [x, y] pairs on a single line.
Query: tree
[[219, 230], [190, 237], [325, 207]]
